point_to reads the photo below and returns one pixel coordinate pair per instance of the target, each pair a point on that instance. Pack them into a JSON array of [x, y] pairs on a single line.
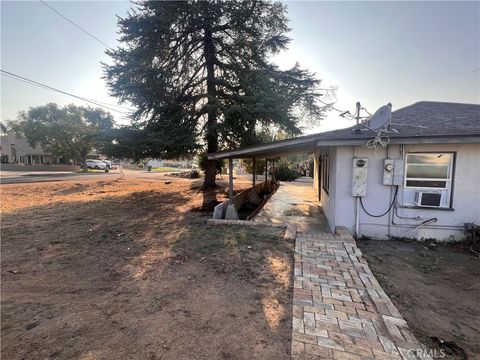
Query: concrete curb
[[290, 230]]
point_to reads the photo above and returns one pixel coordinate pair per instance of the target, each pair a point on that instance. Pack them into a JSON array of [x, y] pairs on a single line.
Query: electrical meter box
[[392, 172], [359, 177]]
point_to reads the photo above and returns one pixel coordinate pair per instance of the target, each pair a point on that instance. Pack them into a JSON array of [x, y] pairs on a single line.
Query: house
[[424, 182], [17, 150]]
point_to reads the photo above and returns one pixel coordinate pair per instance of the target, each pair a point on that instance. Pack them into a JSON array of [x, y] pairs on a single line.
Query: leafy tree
[[4, 127], [200, 76], [71, 131], [203, 161], [259, 166]]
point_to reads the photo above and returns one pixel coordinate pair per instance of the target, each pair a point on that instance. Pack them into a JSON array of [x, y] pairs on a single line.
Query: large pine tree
[[200, 76]]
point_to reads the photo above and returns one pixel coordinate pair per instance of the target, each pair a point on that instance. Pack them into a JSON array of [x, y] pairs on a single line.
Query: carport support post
[[231, 212], [254, 165], [273, 170], [230, 181], [266, 170]]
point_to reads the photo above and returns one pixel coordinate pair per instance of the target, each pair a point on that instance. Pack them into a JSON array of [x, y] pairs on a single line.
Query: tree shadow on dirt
[[141, 276]]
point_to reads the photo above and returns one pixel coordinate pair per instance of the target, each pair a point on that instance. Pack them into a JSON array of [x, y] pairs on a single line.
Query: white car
[[110, 164], [96, 164]]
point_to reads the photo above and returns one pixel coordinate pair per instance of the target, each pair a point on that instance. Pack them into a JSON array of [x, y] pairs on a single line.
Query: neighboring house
[[17, 150], [424, 184]]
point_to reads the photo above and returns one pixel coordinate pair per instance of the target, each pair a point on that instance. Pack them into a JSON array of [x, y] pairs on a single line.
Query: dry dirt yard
[[128, 269], [436, 289]]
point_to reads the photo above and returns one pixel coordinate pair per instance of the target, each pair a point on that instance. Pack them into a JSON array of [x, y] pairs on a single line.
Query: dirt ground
[[436, 289], [128, 269]]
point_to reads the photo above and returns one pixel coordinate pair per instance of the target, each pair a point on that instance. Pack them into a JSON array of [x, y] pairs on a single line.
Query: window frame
[[449, 181], [326, 173]]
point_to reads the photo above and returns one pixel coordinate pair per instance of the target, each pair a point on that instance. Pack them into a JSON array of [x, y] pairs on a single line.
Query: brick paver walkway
[[340, 310]]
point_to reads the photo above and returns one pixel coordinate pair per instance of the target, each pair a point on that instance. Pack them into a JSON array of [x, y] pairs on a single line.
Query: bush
[[193, 174], [284, 171], [259, 164]]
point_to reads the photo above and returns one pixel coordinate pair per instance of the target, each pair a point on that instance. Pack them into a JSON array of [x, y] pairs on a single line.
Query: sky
[[372, 52]]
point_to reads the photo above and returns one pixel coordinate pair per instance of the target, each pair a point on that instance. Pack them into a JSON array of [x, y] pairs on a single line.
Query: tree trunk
[[211, 131], [84, 164], [83, 156]]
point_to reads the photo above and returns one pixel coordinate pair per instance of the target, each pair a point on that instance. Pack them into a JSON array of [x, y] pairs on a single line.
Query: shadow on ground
[[127, 270]]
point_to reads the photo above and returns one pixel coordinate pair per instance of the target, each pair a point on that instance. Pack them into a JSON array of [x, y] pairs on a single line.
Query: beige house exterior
[[17, 150]]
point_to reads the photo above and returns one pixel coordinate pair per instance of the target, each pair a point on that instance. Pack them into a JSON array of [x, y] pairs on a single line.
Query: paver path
[[340, 310], [294, 203]]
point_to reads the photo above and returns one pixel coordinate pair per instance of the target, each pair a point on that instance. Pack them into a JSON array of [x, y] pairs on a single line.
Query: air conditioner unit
[[432, 199]]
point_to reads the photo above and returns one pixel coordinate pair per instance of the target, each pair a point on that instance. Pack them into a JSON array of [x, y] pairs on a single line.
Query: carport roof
[[422, 122]]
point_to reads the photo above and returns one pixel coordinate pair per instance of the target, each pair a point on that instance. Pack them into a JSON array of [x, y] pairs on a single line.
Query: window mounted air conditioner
[[424, 198]]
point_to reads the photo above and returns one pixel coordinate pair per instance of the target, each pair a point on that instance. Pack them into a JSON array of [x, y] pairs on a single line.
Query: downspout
[[357, 205], [357, 217]]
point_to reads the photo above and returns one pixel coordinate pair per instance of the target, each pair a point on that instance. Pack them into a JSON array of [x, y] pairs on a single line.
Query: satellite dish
[[381, 117]]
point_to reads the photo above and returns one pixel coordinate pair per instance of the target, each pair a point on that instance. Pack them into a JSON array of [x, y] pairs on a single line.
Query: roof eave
[[309, 145]]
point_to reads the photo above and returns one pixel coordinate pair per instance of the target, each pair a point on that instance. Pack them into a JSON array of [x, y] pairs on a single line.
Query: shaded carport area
[[294, 203]]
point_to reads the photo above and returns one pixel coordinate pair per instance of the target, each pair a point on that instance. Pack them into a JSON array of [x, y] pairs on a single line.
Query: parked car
[[96, 164], [110, 165]]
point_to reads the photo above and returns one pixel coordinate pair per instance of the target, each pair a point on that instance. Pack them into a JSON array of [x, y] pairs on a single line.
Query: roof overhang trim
[[309, 145]]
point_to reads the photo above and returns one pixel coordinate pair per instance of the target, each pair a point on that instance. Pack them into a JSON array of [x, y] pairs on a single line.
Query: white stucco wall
[[327, 200], [339, 205]]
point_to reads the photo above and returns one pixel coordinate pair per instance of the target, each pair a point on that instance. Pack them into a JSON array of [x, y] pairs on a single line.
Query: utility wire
[[344, 114], [76, 25], [386, 212], [331, 106], [362, 108], [36, 83]]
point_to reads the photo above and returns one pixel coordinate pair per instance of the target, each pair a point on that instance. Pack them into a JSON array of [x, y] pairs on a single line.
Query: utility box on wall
[[392, 172], [359, 176]]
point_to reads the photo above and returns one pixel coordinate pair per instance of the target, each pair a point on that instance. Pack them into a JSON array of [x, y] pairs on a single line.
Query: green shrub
[[259, 164], [284, 171]]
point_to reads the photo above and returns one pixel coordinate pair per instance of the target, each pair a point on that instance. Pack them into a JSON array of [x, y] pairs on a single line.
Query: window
[[428, 179], [326, 173]]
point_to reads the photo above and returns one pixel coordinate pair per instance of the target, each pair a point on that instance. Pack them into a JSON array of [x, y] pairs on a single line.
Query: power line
[[32, 82], [76, 25], [36, 83]]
